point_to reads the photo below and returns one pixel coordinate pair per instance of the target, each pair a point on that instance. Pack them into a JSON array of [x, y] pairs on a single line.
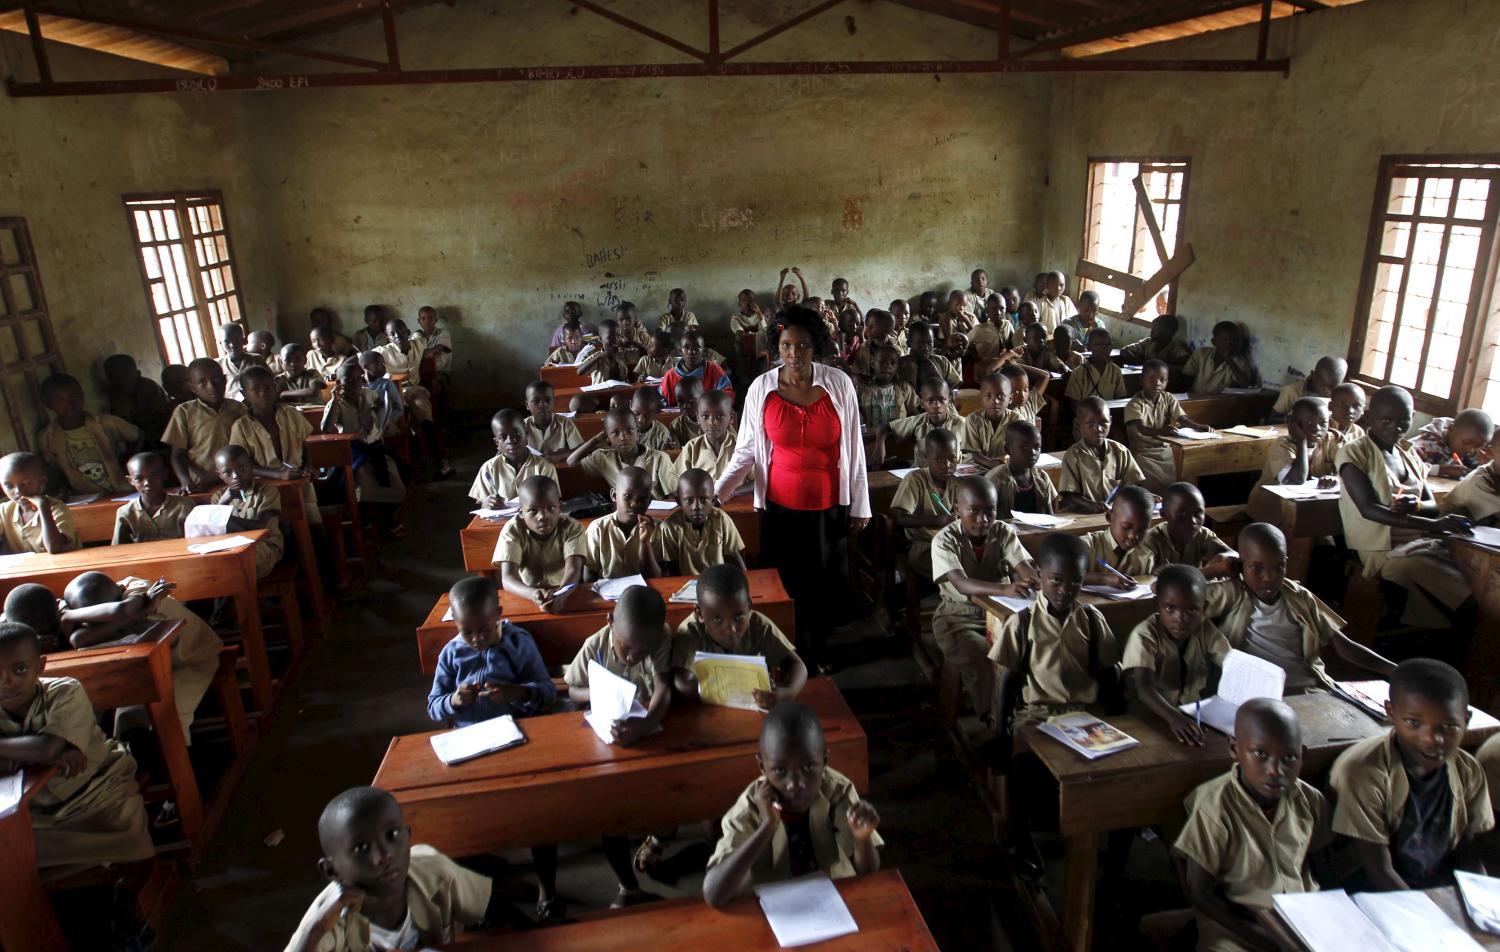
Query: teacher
[[800, 436]]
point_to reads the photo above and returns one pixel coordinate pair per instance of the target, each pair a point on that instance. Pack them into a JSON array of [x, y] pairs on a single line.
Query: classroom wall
[[1283, 170], [498, 202], [64, 165]]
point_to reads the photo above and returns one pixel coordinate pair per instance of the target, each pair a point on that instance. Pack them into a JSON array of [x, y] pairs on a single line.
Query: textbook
[[1245, 677], [1403, 921], [611, 589], [1087, 734], [476, 740], [731, 680], [687, 595]]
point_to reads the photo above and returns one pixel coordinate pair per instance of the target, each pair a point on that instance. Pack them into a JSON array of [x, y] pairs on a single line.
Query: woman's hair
[[807, 319]]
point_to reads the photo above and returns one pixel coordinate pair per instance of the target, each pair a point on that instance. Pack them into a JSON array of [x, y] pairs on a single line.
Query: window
[[1117, 233], [187, 266], [28, 349], [1420, 322]]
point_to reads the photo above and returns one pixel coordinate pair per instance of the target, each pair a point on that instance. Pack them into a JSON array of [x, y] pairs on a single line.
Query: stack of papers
[[11, 788], [504, 512], [1486, 536], [1411, 922], [1013, 602], [219, 545], [903, 473], [1040, 520], [1048, 461], [466, 743], [687, 595], [1088, 735], [731, 680], [207, 521], [806, 910], [1481, 896], [611, 698], [611, 589], [1140, 591], [1245, 677], [605, 385], [662, 505], [1307, 490], [1250, 431], [1191, 434], [1372, 696]]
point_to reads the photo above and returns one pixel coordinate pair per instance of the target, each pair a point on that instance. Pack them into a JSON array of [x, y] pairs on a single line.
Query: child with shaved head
[[620, 544], [1327, 374], [252, 503], [698, 533], [541, 552], [1174, 657], [1181, 537], [31, 520], [1308, 449], [499, 479], [1095, 466], [1453, 447], [1118, 546]]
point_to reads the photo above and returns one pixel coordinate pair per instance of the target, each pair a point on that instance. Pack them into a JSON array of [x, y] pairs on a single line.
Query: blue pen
[[1198, 714], [1115, 572]]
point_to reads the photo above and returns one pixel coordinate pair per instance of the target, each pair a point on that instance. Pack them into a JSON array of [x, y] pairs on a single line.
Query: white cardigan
[[752, 449]]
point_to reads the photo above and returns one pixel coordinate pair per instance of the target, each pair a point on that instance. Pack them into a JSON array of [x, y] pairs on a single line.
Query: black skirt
[[810, 550]]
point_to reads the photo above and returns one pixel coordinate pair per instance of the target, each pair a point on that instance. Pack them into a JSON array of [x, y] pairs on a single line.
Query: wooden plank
[[1123, 280], [1148, 212], [27, 923], [1231, 453]]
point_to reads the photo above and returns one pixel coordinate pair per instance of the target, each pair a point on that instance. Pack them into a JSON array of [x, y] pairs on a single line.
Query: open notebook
[[1407, 921]]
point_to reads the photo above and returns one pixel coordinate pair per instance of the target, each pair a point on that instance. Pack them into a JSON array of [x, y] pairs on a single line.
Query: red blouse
[[804, 453]]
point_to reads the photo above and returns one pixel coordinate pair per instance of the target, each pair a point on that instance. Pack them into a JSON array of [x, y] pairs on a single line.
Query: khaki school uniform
[[1349, 433], [308, 379], [355, 413], [649, 366], [259, 500], [1488, 756], [1426, 570], [540, 561], [562, 357], [958, 625], [606, 464], [604, 367], [1007, 490], [232, 370], [1086, 380], [1477, 495], [985, 437], [987, 340], [698, 454], [1094, 477], [828, 827], [1210, 377], [666, 321], [1201, 547], [863, 364], [561, 435], [500, 477], [293, 429], [642, 674], [658, 437], [417, 397], [762, 638], [1232, 607], [1254, 858], [685, 429], [692, 549], [1137, 561], [439, 894], [914, 497], [1283, 452], [1174, 352], [102, 431], [917, 426], [1049, 361], [23, 526], [201, 431], [1057, 678], [1050, 313], [610, 551], [96, 816], [879, 405], [1152, 453], [195, 651], [325, 367], [135, 523], [946, 369], [1181, 670], [1290, 394], [1030, 410]]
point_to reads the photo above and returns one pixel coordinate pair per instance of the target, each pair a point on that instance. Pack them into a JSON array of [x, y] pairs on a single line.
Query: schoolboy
[[1174, 657], [645, 403], [984, 432], [383, 891], [1161, 344], [1453, 447], [800, 816], [200, 426], [1306, 451], [572, 313], [712, 448], [566, 354], [725, 622], [685, 428], [1028, 387], [659, 357], [1181, 538], [352, 408], [1249, 831], [541, 554], [1118, 545], [1477, 495], [1026, 315], [1067, 350], [607, 361], [275, 436], [297, 382], [677, 315], [957, 318], [992, 335], [883, 398], [925, 499], [372, 336], [321, 319], [1268, 615], [698, 534], [155, 513], [549, 434], [1226, 363], [37, 608], [262, 346], [979, 554], [403, 355], [1038, 352], [624, 449], [1095, 466], [621, 543], [921, 362], [174, 382], [324, 357], [436, 341], [749, 320], [978, 292], [938, 412], [233, 358], [1345, 410], [253, 505], [136, 398], [499, 479], [1086, 320], [901, 319], [879, 326], [1150, 415], [31, 520], [1054, 306], [1019, 485], [86, 448], [1099, 376], [1328, 373]]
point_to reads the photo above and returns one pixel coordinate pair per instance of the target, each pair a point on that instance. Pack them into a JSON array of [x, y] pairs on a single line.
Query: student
[[698, 534], [572, 313], [136, 398], [1026, 315], [1174, 657], [624, 449], [1452, 447], [937, 413], [992, 336], [900, 319], [1094, 467], [275, 436], [200, 426], [659, 358], [925, 499], [1067, 350], [1099, 376], [1385, 506], [385, 396], [372, 335], [621, 543], [1028, 387], [155, 513], [403, 355], [85, 448], [253, 505], [800, 816], [1223, 365], [1411, 801], [927, 309], [1268, 615], [1328, 373], [321, 319], [1150, 415], [1308, 449], [957, 318], [549, 434], [921, 362], [541, 552], [566, 353], [692, 364], [645, 403], [1118, 545], [233, 358], [877, 331], [297, 382], [324, 357], [984, 432], [175, 383], [677, 315], [436, 341], [100, 610], [607, 361], [1249, 831], [1181, 538], [31, 520], [1345, 410], [725, 622], [1038, 352], [1054, 306], [1019, 485], [351, 409], [979, 554], [841, 303], [383, 891], [711, 449], [1086, 320], [37, 608], [883, 398], [978, 293], [262, 346], [1161, 344], [499, 479], [1477, 495]]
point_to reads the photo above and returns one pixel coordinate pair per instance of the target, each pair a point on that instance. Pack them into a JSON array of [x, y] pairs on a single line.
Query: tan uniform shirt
[[606, 464], [914, 497], [201, 431], [1089, 475], [1137, 561], [540, 561], [1181, 670], [886, 404], [1201, 547], [1477, 495], [1488, 756], [195, 649], [232, 388], [1372, 789], [409, 363], [561, 356], [326, 367], [1283, 452], [609, 551], [107, 433], [561, 434], [685, 429], [1232, 606], [665, 322], [658, 437], [986, 437], [1050, 313], [1173, 352], [692, 549], [698, 454], [917, 426], [1289, 395], [1058, 673], [952, 551], [1210, 377], [1164, 412], [1363, 535], [23, 527], [134, 523], [1006, 489], [762, 638], [1086, 380], [499, 477], [600, 648], [293, 429], [259, 500], [649, 366]]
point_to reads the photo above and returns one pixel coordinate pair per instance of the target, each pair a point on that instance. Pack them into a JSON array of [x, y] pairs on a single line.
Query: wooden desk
[[1217, 410], [336, 451], [1231, 453], [883, 483], [565, 784], [479, 537], [1448, 900], [1481, 566], [591, 425], [565, 394], [562, 377], [229, 573], [27, 923], [880, 903], [1121, 615], [559, 637], [1146, 785]]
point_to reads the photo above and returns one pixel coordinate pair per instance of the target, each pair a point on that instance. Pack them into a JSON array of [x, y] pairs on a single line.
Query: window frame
[[1486, 261], [181, 202], [1179, 239], [29, 365]]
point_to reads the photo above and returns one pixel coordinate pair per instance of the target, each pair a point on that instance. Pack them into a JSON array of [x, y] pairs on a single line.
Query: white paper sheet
[[662, 505], [1481, 896], [611, 698], [1188, 433], [1242, 430], [605, 385], [688, 594], [1140, 591], [1487, 536], [903, 473], [1048, 461], [1040, 520], [1412, 922], [12, 560], [207, 521], [131, 497], [219, 545], [1307, 490], [85, 500], [1244, 677], [1378, 692], [466, 743], [1242, 391], [612, 588], [566, 414], [11, 787], [504, 512], [1013, 603], [1329, 921], [805, 910]]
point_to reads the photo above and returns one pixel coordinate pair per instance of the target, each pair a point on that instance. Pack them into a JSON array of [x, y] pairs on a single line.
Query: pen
[[940, 504], [1198, 714], [1115, 572]]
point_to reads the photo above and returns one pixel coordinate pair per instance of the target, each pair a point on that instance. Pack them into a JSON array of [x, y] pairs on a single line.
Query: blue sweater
[[514, 660]]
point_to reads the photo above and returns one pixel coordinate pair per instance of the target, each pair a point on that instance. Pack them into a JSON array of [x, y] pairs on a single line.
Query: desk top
[[1121, 614], [95, 521], [882, 906], [1302, 518], [1447, 899], [122, 557], [1227, 439]]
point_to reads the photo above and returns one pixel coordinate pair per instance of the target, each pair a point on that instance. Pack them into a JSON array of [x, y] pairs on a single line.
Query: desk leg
[[247, 611], [311, 577], [1080, 879], [174, 752], [351, 513], [27, 923]]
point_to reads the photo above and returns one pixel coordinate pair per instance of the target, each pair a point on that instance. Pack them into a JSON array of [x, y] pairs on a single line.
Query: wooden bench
[[1218, 410]]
